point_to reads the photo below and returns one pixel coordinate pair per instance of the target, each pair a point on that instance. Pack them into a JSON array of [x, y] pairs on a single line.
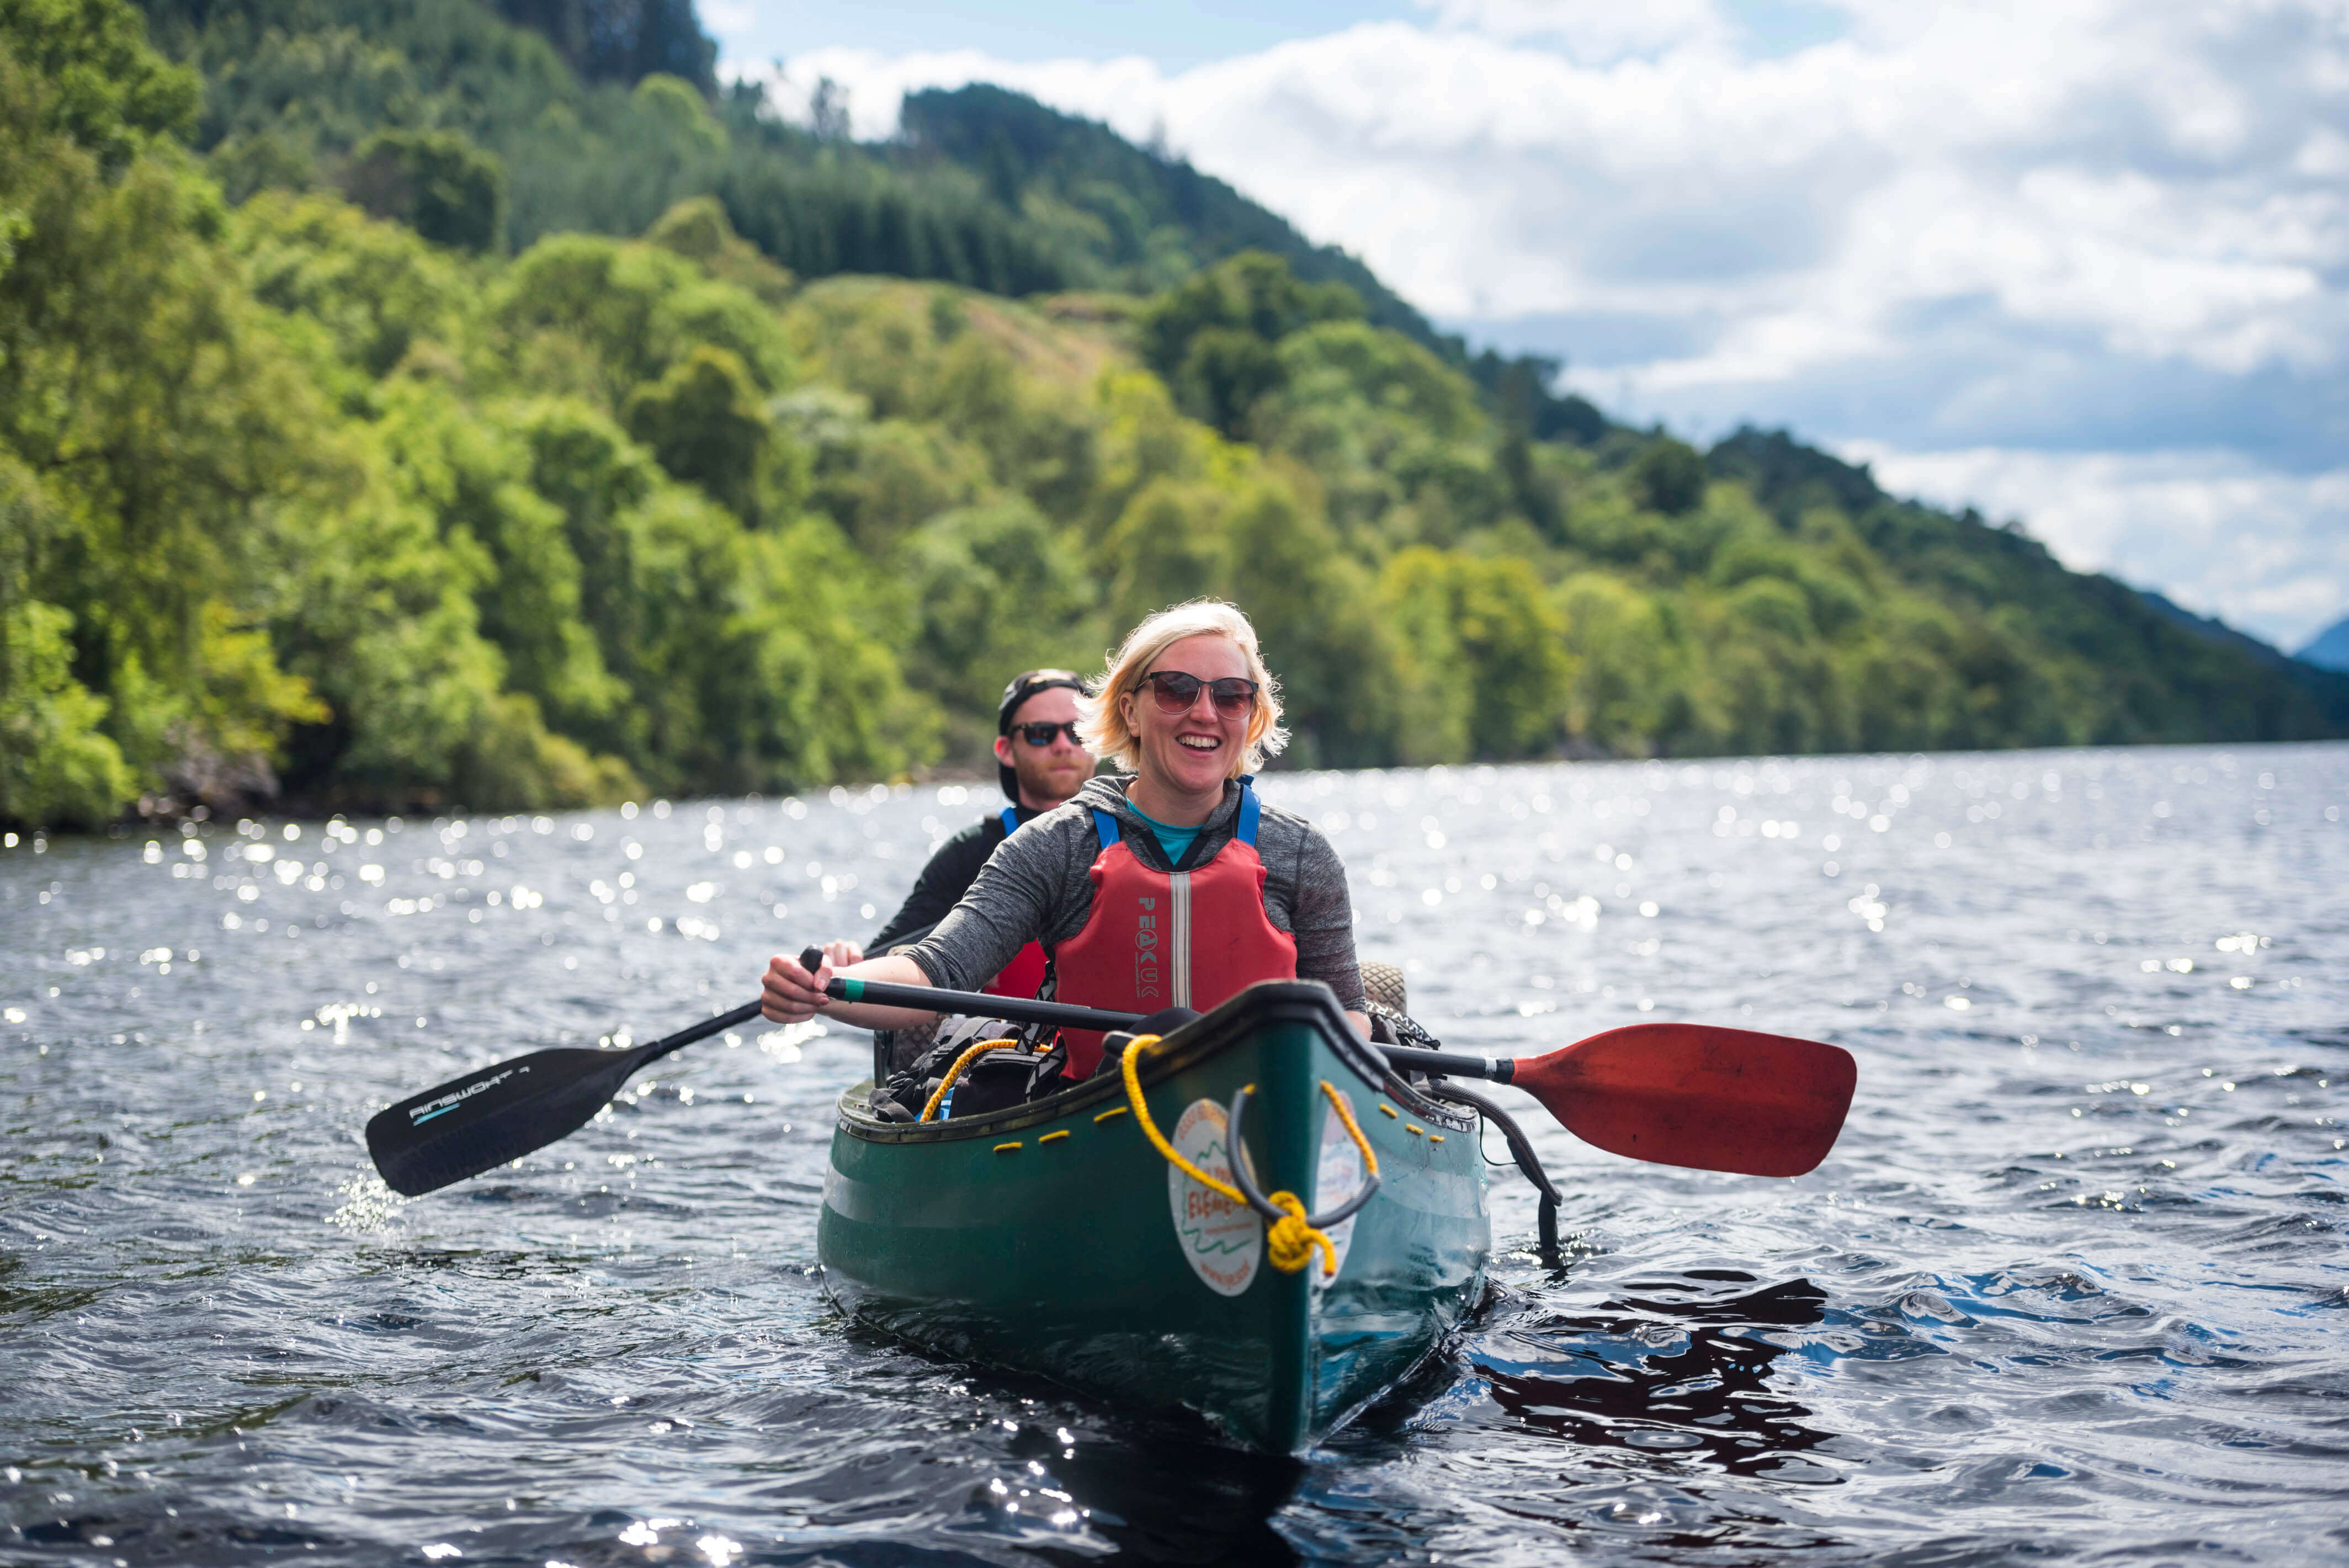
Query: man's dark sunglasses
[[1175, 691], [1039, 735]]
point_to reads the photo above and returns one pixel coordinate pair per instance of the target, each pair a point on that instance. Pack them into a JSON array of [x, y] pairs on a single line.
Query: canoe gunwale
[[1270, 1002]]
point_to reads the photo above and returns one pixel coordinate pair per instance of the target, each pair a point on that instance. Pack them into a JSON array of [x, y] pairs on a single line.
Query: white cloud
[[2086, 167], [2091, 227], [1589, 29], [722, 18]]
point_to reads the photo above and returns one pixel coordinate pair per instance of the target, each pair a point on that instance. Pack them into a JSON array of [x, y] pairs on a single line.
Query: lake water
[[2072, 1286]]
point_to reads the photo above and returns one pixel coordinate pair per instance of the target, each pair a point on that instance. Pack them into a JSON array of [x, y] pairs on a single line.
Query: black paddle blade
[[492, 1115]]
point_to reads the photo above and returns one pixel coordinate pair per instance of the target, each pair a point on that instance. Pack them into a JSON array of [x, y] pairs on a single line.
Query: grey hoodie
[[1036, 887]]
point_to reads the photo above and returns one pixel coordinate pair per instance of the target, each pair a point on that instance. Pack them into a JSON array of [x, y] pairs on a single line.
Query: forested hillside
[[402, 407]]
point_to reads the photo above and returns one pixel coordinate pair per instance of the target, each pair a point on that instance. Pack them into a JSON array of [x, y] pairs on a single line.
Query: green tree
[[704, 421], [57, 764], [597, 316], [370, 292], [623, 40], [1167, 546], [435, 182], [1669, 477], [164, 423], [383, 622], [1488, 665], [996, 590], [472, 475], [1318, 616], [87, 76], [1626, 664], [1212, 337], [697, 228]]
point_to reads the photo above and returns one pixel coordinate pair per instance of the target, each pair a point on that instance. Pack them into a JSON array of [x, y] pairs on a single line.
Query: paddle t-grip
[[810, 960]]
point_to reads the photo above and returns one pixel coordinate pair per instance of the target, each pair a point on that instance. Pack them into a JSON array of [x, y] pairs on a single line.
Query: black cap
[[1025, 685]]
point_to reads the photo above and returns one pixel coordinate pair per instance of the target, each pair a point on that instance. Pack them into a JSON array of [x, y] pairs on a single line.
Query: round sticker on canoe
[[1337, 1176], [1221, 1240]]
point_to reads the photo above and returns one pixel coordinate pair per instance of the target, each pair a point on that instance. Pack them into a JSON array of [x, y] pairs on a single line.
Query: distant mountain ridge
[[1962, 557], [2329, 649], [2210, 626], [2326, 684]]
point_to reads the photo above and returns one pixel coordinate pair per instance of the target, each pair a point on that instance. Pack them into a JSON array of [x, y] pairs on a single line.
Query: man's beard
[[1059, 783]]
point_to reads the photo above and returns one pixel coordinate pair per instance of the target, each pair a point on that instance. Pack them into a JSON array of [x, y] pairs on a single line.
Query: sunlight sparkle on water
[[2098, 1123]]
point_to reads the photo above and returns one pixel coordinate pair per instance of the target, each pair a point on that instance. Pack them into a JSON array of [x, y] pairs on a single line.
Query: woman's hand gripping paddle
[[1682, 1094]]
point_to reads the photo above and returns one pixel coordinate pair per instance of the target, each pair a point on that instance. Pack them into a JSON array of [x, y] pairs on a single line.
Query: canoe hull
[[1052, 1238]]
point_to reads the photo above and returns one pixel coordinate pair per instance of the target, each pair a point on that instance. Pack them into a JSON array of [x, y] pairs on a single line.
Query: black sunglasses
[[1175, 691], [1039, 735]]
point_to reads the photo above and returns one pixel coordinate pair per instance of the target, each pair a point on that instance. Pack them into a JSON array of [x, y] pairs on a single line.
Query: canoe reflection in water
[[1676, 1366]]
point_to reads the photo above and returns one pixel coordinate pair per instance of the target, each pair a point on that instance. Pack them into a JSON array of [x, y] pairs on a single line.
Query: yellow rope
[[954, 1072], [1370, 1158], [1292, 1241]]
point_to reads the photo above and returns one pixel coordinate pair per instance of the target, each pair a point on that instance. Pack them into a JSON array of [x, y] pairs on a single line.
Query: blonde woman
[[1166, 884]]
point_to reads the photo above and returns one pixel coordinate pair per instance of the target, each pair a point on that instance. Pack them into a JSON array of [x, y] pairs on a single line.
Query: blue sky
[[1173, 37], [2085, 263]]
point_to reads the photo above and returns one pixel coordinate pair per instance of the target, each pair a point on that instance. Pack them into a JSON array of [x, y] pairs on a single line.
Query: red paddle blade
[[1689, 1094]]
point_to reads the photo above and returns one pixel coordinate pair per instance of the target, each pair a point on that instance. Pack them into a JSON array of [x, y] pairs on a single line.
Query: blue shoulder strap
[[1105, 825], [1010, 820]]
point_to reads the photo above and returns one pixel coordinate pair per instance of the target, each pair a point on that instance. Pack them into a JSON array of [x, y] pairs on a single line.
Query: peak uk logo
[[1148, 963]]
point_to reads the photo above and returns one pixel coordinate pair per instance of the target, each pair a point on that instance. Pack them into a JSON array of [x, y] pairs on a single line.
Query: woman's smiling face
[[1190, 753]]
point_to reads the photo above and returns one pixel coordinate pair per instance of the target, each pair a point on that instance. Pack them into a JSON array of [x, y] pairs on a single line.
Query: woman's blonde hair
[[1101, 721]]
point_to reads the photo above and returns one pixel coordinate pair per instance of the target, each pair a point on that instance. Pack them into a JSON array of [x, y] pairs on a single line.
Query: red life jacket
[[1159, 939], [1024, 975]]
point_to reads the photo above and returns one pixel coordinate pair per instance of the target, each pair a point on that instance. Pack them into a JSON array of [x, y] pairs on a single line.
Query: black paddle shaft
[[978, 1003], [1452, 1064], [701, 1031], [1016, 1010]]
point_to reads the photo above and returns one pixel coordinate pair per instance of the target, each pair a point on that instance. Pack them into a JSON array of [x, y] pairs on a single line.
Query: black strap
[[1521, 1149]]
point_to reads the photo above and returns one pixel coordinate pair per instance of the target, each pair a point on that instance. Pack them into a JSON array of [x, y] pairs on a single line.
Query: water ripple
[[2072, 1287]]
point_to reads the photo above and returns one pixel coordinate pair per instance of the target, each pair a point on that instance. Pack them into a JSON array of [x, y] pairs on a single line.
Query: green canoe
[[1054, 1238]]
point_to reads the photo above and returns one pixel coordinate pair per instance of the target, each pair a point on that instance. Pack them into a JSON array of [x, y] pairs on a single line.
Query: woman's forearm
[[896, 971]]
